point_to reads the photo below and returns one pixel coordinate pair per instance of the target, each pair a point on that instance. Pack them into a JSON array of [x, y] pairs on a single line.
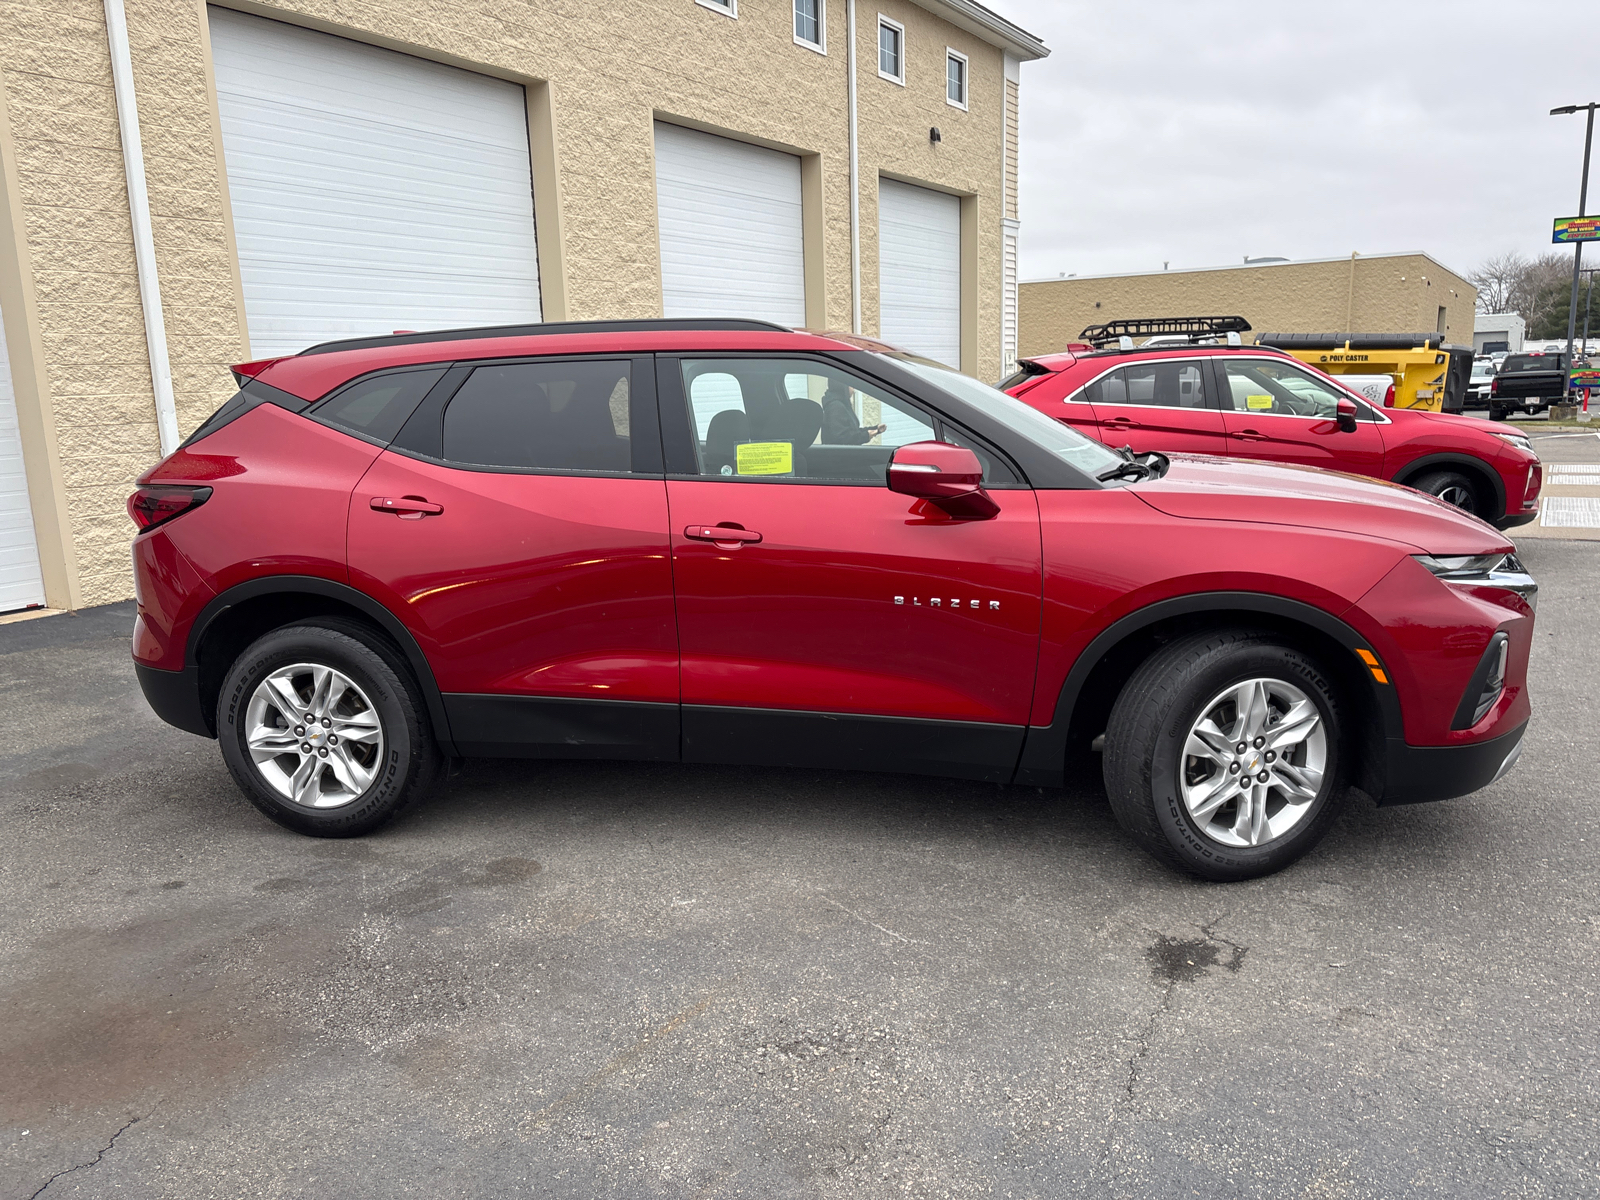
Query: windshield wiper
[[1150, 465]]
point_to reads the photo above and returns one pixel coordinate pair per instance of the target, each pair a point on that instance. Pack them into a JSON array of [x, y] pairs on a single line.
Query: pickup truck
[[1527, 383]]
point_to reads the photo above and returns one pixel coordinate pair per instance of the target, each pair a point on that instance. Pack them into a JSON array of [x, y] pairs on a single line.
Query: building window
[[955, 78], [891, 50], [808, 20], [728, 8]]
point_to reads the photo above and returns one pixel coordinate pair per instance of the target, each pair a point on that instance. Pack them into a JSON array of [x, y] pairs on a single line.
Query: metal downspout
[[855, 185], [144, 249]]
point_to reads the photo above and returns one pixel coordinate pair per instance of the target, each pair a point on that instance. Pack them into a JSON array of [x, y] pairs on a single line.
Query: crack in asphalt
[[95, 1161], [1174, 961]]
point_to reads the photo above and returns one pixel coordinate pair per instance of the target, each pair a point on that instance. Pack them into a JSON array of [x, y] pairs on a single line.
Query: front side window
[[1162, 384], [808, 22], [548, 416], [768, 419], [1279, 389], [891, 50], [955, 78]]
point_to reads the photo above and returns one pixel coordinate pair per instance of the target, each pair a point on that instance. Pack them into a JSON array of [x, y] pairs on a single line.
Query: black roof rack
[[710, 324], [1099, 335], [1355, 341]]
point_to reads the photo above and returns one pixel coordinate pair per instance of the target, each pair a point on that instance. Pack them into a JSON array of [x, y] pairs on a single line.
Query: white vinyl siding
[[919, 270], [372, 191], [732, 242], [21, 583]]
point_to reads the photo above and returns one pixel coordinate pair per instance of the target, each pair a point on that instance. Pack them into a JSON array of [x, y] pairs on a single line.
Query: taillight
[[1388, 397], [1494, 386], [158, 504]]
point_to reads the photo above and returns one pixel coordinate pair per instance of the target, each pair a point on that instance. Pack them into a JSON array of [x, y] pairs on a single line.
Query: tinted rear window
[[1530, 362], [549, 416], [376, 407]]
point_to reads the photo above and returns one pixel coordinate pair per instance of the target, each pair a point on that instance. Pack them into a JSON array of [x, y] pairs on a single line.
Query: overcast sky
[[1199, 132]]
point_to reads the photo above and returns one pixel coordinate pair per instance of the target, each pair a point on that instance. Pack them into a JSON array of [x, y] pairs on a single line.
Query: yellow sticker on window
[[1255, 403], [764, 458]]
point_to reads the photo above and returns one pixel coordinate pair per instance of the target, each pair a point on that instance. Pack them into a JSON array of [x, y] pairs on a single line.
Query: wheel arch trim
[[288, 585], [1457, 459], [1043, 758]]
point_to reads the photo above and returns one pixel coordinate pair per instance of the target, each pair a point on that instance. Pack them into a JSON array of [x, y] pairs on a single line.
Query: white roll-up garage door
[[372, 191], [919, 270], [21, 585], [731, 234]]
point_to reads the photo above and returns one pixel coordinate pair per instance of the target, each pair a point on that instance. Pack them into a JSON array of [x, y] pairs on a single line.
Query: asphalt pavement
[[591, 980]]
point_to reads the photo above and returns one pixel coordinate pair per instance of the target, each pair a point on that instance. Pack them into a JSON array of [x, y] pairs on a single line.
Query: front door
[[1277, 410], [518, 527], [823, 619], [1158, 405]]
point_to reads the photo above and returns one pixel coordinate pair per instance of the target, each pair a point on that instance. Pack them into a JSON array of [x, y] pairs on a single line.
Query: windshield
[[1086, 454]]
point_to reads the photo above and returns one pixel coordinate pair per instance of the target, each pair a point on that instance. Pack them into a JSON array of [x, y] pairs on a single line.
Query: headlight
[[1504, 571], [1520, 440]]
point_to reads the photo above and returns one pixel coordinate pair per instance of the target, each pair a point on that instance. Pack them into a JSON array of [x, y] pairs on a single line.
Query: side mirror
[[1347, 415], [948, 476]]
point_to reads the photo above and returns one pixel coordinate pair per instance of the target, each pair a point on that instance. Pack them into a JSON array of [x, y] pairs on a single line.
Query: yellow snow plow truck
[[1427, 373]]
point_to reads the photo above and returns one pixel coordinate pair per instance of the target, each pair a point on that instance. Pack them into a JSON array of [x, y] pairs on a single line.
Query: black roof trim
[[712, 324]]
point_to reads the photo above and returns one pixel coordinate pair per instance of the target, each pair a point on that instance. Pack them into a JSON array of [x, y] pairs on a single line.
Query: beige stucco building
[[1364, 293], [236, 117]]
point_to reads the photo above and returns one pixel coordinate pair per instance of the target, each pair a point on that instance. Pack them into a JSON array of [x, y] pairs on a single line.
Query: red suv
[[728, 542], [1254, 402]]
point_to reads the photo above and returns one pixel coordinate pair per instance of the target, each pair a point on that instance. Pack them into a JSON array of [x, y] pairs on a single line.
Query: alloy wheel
[[1459, 496], [313, 735], [1253, 762]]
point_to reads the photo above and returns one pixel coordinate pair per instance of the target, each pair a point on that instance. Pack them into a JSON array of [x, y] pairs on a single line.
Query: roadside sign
[[1576, 229], [1584, 377]]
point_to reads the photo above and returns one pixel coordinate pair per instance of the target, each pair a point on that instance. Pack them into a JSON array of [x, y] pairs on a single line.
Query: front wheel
[[324, 731], [1223, 755], [1453, 488]]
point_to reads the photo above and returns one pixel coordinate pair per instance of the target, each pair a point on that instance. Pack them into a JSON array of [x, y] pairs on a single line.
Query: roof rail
[[1111, 331], [711, 324], [1351, 341]]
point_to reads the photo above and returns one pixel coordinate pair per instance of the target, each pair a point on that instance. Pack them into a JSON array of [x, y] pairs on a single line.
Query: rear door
[[518, 526], [1058, 396], [839, 623], [1279, 411], [1158, 404]]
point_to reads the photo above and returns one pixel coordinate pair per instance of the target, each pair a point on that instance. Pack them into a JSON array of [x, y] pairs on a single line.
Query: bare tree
[[1497, 281]]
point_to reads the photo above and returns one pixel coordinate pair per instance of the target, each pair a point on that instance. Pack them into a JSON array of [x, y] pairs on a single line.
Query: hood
[[1216, 489]]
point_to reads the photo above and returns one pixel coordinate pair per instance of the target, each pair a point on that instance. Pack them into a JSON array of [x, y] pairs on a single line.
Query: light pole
[[1577, 250]]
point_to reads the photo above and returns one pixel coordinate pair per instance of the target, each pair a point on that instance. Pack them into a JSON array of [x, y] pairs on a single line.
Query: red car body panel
[[577, 586], [808, 617], [537, 585], [1391, 448]]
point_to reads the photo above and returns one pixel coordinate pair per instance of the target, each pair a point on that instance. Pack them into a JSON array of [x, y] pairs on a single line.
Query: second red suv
[[727, 542], [1253, 402]]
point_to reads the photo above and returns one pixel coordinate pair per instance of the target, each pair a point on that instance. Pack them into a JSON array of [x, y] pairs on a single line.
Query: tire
[[1496, 413], [1153, 782], [302, 775], [1454, 489]]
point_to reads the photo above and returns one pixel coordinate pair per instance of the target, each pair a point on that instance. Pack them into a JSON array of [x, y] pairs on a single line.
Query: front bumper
[[175, 697], [1420, 773]]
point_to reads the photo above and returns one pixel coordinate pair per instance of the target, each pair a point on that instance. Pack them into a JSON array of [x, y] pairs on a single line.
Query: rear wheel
[[1497, 413], [324, 731], [1223, 755], [1453, 488]]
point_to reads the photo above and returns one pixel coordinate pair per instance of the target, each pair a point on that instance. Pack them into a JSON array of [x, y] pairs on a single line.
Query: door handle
[[722, 534], [407, 508], [1249, 435], [1122, 422]]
